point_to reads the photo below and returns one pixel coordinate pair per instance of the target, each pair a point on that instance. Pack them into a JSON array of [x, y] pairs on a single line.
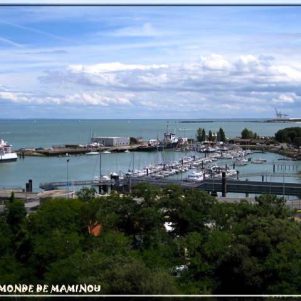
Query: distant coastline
[[288, 120], [219, 120]]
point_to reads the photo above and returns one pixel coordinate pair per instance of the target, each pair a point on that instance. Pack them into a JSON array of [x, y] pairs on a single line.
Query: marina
[[200, 172], [191, 164]]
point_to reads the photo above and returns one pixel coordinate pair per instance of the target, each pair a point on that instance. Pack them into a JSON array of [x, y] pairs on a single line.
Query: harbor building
[[111, 141]]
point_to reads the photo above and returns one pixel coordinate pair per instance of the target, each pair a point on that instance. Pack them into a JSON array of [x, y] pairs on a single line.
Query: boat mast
[[99, 165], [133, 161]]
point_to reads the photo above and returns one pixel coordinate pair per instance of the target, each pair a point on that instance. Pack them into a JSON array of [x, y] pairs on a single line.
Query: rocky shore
[[292, 153]]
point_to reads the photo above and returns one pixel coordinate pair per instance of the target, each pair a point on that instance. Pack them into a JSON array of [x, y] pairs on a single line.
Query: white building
[[153, 142], [170, 138], [111, 141]]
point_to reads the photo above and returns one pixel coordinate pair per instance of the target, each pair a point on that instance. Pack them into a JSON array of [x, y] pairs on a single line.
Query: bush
[[289, 135]]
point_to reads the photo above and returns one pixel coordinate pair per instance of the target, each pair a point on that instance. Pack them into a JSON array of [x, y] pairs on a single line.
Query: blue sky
[[149, 62]]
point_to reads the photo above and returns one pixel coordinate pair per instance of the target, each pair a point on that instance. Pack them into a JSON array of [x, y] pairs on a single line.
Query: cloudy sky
[[149, 62]]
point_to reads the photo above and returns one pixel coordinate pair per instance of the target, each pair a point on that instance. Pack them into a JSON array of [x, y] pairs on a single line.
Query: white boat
[[106, 152], [241, 162], [196, 177], [92, 153], [6, 153], [231, 172], [258, 161], [227, 156]]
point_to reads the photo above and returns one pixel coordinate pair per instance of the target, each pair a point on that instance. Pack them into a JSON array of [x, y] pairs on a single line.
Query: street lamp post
[[100, 166], [283, 187], [67, 161]]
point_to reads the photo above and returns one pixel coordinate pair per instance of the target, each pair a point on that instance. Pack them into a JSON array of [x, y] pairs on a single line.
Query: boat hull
[[8, 160], [11, 157]]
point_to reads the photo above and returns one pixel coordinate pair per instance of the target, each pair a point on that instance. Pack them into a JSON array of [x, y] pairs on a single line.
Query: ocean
[[46, 133]]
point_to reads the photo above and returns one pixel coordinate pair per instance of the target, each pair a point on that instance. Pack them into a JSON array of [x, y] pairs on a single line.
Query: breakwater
[[292, 153], [223, 185], [79, 150]]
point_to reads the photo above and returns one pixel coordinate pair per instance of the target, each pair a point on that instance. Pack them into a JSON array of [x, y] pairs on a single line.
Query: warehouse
[[111, 141]]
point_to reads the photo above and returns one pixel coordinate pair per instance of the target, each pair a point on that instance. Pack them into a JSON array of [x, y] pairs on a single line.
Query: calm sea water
[[46, 133]]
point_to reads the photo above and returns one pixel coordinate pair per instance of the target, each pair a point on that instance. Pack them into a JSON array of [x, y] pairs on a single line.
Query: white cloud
[[285, 98], [215, 62], [111, 67], [215, 83], [84, 98], [246, 72]]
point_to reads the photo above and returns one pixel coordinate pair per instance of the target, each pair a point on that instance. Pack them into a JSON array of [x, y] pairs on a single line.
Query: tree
[[297, 141], [16, 214], [267, 204], [126, 275], [289, 135], [200, 136], [203, 135], [263, 258], [210, 136], [221, 135], [187, 211], [133, 141], [248, 134], [5, 237], [86, 194], [212, 247], [148, 192]]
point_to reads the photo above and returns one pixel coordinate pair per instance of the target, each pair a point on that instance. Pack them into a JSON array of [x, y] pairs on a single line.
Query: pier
[[80, 150], [223, 185]]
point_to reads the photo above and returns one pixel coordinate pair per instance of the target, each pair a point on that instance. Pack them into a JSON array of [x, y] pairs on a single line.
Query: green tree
[[131, 276], [54, 232], [133, 141], [203, 135], [289, 135], [221, 135], [187, 211], [5, 237], [200, 136], [259, 258], [86, 194], [248, 134], [210, 136], [15, 214]]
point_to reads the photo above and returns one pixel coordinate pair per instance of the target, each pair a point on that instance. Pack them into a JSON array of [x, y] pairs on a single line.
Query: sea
[[33, 133]]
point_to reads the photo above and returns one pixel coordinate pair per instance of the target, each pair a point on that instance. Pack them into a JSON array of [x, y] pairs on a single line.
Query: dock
[[79, 150], [209, 185]]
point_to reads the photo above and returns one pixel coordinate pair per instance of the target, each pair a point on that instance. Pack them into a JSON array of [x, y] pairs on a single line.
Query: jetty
[[205, 175], [79, 150], [222, 185]]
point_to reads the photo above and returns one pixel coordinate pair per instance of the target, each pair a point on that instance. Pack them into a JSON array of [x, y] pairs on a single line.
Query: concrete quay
[[78, 150]]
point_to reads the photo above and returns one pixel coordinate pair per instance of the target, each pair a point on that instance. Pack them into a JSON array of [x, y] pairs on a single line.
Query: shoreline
[[294, 154], [77, 150], [290, 153]]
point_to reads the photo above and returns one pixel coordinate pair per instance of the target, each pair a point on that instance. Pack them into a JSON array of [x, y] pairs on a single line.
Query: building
[[170, 138], [153, 142], [183, 140], [111, 141]]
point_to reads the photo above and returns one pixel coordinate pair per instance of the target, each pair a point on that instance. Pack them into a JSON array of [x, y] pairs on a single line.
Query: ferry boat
[[6, 153]]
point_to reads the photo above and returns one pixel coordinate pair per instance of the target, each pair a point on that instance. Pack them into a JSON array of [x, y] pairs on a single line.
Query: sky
[[150, 61]]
